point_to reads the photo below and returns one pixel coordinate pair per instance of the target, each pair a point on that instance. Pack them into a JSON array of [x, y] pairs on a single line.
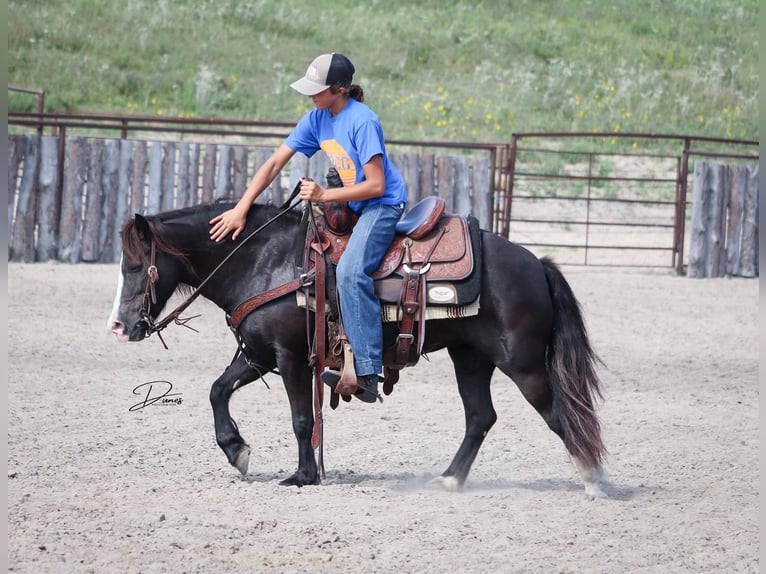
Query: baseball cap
[[326, 70]]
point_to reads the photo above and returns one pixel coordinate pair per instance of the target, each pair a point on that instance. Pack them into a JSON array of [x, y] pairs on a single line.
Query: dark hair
[[354, 91]]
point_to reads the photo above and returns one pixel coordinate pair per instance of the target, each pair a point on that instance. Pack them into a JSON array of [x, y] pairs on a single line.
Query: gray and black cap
[[326, 70]]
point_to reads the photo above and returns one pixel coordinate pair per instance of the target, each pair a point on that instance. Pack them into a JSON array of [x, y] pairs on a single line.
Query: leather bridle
[[150, 298], [153, 276], [150, 294]]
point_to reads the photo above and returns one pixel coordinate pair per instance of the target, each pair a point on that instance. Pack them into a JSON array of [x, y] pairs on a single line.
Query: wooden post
[[698, 239], [23, 240], [16, 146], [92, 221], [272, 194], [75, 175], [753, 185], [168, 179], [240, 171], [717, 261], [481, 199], [208, 173], [445, 178], [409, 166], [427, 169], [749, 257], [461, 187], [124, 193], [194, 187], [48, 206], [223, 186], [110, 178], [738, 182], [154, 199], [138, 182], [183, 196]]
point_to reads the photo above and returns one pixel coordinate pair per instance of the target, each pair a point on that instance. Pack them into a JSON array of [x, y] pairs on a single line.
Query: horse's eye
[[133, 268]]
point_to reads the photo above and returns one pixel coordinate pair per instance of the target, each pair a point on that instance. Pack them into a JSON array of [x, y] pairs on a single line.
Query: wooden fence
[[67, 200], [724, 236]]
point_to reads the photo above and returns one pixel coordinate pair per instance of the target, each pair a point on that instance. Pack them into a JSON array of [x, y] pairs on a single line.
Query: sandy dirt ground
[[94, 487]]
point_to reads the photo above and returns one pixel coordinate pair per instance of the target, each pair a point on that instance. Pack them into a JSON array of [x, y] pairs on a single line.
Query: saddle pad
[[389, 313]]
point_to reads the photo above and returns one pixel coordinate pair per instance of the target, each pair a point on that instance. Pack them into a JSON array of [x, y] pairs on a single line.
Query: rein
[[153, 276]]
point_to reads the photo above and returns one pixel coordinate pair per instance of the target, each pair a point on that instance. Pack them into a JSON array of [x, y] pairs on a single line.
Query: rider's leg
[[360, 309]]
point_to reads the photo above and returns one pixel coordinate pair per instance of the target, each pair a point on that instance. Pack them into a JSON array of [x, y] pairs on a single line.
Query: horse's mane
[[132, 242]]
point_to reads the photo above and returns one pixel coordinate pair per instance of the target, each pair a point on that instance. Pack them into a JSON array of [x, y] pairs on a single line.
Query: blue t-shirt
[[350, 140]]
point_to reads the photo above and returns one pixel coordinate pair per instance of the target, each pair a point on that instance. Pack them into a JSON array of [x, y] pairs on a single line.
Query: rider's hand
[[231, 221], [311, 191]]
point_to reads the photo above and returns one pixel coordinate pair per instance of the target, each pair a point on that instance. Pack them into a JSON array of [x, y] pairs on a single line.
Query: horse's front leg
[[474, 372], [297, 377], [236, 375]]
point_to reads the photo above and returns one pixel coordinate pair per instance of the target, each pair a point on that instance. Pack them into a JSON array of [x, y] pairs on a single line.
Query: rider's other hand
[[228, 222]]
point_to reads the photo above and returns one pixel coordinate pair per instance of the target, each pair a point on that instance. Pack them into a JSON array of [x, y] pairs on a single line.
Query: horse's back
[[513, 272]]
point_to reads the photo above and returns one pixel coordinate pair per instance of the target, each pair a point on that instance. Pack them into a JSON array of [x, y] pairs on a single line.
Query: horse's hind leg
[[236, 375], [474, 372], [532, 380]]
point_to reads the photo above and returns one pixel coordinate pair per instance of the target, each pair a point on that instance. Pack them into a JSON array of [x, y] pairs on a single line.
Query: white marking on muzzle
[[114, 324]]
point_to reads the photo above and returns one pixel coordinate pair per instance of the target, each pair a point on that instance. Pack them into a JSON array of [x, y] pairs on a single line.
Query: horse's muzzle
[[140, 331], [137, 333]]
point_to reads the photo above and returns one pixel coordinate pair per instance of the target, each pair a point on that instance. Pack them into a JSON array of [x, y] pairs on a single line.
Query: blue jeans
[[360, 308]]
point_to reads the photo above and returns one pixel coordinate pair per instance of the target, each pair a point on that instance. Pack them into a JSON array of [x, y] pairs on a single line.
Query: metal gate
[[607, 199]]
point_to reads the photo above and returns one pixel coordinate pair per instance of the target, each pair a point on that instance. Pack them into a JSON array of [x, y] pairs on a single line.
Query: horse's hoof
[[594, 491], [297, 480], [448, 483], [594, 477], [243, 460]]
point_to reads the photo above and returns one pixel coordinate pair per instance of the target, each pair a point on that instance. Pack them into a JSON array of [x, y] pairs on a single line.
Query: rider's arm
[[373, 185], [233, 220]]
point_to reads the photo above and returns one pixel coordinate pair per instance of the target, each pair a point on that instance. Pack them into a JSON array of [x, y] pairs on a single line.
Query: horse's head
[[150, 271]]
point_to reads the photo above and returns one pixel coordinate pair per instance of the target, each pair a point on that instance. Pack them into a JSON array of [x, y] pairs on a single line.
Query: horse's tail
[[571, 366]]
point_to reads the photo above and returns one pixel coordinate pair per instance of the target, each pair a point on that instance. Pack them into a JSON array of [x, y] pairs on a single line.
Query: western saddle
[[430, 249]]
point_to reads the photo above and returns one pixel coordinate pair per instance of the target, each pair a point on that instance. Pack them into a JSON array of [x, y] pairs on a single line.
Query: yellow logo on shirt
[[340, 160]]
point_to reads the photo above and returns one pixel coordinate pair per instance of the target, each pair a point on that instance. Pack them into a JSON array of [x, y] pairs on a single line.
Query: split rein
[[153, 275]]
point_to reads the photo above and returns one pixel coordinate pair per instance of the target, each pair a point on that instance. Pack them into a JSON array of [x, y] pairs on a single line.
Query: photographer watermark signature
[[155, 393]]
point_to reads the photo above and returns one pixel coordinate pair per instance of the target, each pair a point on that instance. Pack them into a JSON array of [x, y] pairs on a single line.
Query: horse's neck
[[260, 263]]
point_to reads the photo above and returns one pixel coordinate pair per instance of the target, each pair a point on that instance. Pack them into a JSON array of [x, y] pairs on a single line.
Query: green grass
[[468, 71]]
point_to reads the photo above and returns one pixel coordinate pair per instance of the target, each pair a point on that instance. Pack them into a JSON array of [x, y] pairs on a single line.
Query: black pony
[[529, 325]]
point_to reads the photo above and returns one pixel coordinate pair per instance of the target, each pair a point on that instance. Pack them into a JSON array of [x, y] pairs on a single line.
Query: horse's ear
[[142, 226]]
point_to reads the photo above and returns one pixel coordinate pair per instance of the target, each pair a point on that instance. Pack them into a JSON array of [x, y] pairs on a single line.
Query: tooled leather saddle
[[429, 265]]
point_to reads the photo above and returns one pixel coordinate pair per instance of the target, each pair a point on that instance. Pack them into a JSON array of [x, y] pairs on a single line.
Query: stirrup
[[365, 394]]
